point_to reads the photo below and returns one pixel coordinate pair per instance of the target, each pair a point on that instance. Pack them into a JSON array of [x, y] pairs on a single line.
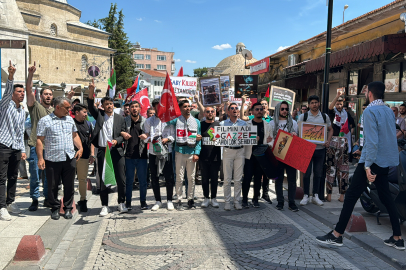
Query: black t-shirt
[[84, 131], [260, 132], [209, 152], [336, 129], [133, 144]]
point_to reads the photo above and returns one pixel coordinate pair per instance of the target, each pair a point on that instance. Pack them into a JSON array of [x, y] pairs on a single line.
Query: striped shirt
[[58, 137], [11, 121]]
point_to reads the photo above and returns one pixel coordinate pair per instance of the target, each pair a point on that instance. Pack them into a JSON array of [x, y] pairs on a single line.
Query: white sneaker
[[316, 200], [122, 208], [305, 200], [214, 203], [104, 211], [156, 206], [237, 206], [227, 206], [4, 215], [13, 208], [205, 203], [170, 206]]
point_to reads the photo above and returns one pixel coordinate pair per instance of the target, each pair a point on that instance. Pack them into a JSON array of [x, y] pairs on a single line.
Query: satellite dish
[[247, 54]]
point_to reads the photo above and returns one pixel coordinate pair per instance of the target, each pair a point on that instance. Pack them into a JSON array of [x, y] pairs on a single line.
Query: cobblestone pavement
[[255, 238]]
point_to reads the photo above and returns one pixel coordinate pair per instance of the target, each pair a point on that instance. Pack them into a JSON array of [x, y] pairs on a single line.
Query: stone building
[[62, 46]]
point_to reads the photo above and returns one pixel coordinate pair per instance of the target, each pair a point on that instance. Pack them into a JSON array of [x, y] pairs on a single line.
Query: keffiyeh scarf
[[289, 121], [340, 117], [186, 131]]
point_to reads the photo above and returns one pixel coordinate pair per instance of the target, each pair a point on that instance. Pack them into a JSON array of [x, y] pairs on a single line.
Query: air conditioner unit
[[293, 59]]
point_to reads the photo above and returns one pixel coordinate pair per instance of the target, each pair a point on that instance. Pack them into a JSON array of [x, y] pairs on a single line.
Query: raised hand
[[11, 71], [32, 69], [91, 89]]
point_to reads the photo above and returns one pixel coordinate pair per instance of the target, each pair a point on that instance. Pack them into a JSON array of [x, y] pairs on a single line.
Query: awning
[[387, 44]]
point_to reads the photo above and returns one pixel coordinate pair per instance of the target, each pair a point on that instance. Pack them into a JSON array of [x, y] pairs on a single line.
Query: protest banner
[[232, 136], [210, 91], [293, 151], [246, 85], [184, 85], [279, 94], [225, 87], [313, 132], [238, 101]]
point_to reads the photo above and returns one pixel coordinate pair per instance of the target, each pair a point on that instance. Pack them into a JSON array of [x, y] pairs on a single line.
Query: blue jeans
[[35, 176], [141, 166]]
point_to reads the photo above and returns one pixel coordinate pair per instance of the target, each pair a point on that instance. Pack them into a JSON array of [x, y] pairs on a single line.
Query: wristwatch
[[93, 157], [367, 168]]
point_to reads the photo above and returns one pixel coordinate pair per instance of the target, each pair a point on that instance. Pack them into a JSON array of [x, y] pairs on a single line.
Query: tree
[[118, 40], [200, 72]]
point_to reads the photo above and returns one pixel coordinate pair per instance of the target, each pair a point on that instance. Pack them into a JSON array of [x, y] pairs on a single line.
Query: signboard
[[225, 87], [233, 136], [246, 85], [259, 67], [313, 132], [239, 100], [184, 85], [210, 90], [293, 151], [279, 94]]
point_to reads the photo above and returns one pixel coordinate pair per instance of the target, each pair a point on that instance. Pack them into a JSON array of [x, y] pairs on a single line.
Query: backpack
[[306, 115]]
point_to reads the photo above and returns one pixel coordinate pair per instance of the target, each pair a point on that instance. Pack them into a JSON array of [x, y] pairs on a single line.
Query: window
[[148, 66], [84, 62], [147, 57], [161, 57], [392, 76], [139, 56], [139, 65], [161, 67], [54, 30], [173, 67], [353, 83]]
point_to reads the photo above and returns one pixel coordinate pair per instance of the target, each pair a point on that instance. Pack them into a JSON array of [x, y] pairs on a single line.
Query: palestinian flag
[[267, 95], [111, 90], [108, 175], [253, 135]]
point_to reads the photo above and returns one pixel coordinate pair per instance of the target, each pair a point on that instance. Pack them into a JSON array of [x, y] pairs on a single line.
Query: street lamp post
[[328, 53], [345, 7]]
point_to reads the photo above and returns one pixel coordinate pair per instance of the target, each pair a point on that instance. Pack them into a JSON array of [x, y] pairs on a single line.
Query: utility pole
[[326, 86]]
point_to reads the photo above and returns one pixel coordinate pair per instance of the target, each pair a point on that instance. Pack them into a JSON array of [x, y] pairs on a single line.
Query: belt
[[235, 148]]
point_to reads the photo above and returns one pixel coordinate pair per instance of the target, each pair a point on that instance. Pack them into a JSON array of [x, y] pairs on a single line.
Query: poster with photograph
[[364, 89], [404, 84], [352, 90], [184, 85], [225, 87], [279, 94], [391, 85], [210, 91], [246, 85]]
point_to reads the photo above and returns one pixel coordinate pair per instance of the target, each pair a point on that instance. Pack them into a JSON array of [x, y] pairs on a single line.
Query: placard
[[184, 85], [225, 87], [279, 94], [293, 150], [313, 132], [246, 85], [210, 91], [235, 136]]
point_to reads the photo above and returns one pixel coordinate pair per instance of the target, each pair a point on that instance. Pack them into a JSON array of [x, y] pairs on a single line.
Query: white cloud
[[222, 47], [177, 60], [190, 61], [157, 21], [281, 48], [138, 19]]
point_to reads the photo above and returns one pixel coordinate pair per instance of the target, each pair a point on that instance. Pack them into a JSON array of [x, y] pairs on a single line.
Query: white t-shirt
[[283, 126]]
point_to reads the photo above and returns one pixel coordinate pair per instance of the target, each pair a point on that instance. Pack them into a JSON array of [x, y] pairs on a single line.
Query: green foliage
[[123, 61], [200, 72]]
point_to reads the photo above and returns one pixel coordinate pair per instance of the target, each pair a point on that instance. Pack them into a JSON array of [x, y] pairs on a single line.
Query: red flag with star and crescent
[[168, 108], [142, 98]]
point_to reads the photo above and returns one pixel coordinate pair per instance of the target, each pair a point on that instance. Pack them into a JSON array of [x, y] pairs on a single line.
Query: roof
[[86, 26], [153, 73], [62, 1]]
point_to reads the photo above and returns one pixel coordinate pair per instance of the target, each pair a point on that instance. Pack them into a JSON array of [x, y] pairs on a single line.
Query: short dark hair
[[256, 104], [78, 107], [183, 101], [150, 109], [377, 89], [402, 105], [155, 102], [134, 102], [313, 97], [106, 99], [127, 105], [43, 89], [285, 102], [18, 86], [76, 100], [366, 105], [231, 104], [340, 99], [303, 106], [263, 99]]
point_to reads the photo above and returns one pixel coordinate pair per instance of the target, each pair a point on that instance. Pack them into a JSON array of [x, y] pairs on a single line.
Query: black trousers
[[168, 174], [358, 185], [9, 161], [210, 177], [251, 168], [119, 173], [317, 163], [291, 173], [55, 172], [265, 185]]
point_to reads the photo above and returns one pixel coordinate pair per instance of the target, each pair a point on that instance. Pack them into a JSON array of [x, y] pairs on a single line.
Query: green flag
[[112, 84], [108, 175]]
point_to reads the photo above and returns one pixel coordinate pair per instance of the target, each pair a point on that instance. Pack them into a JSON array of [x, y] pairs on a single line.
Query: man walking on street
[[37, 111], [12, 149], [84, 130], [283, 120], [135, 155], [319, 155], [233, 161], [57, 133], [379, 153], [108, 128]]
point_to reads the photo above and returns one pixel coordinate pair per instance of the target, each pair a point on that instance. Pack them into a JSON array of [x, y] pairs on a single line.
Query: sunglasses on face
[[259, 109], [233, 108], [209, 111], [284, 109]]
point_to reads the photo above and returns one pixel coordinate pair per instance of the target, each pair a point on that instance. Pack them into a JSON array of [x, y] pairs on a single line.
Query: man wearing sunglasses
[[283, 120], [233, 161], [210, 158]]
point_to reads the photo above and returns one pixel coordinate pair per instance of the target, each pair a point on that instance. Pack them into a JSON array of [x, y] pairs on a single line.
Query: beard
[[283, 116], [135, 114]]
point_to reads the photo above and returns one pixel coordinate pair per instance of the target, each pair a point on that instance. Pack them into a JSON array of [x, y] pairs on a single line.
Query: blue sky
[[191, 28]]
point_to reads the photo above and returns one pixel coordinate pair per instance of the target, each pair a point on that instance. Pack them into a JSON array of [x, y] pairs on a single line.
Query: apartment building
[[153, 59]]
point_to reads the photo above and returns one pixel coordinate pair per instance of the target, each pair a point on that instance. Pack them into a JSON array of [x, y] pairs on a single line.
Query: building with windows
[[152, 59], [154, 80]]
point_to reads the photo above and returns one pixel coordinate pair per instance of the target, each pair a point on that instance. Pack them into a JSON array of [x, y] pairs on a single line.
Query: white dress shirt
[[106, 133]]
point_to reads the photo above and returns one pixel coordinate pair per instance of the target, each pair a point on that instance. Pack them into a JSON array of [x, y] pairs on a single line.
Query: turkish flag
[[181, 133], [142, 98], [133, 89], [180, 73], [168, 108]]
